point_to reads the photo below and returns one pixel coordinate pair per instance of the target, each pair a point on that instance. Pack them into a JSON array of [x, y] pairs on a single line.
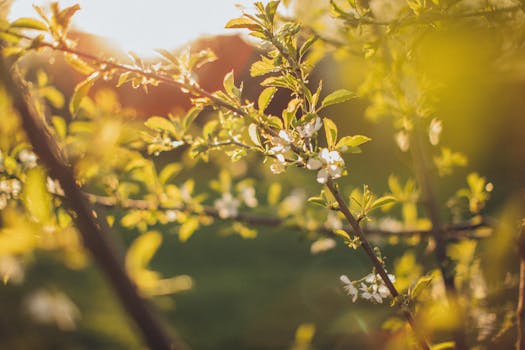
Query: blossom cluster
[[228, 206], [329, 163], [371, 287], [9, 189]]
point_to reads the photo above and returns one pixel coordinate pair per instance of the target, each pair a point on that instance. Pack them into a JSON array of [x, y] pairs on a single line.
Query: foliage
[[139, 179]]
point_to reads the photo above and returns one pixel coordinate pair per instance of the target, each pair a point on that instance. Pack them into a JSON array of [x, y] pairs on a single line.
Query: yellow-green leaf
[[161, 124], [81, 91], [338, 96], [29, 23], [242, 22], [142, 250], [331, 132], [265, 98], [188, 228]]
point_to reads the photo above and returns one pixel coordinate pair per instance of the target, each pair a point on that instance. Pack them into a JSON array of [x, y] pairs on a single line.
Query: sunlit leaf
[[187, 229], [338, 96], [242, 22], [331, 132], [265, 98], [81, 91], [29, 23]]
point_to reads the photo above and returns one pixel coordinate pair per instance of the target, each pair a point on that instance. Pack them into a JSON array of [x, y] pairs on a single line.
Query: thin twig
[[464, 230], [343, 207], [95, 235]]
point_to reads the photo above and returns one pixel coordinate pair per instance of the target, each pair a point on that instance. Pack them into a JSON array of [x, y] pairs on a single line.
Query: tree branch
[[464, 230], [95, 235], [424, 171], [520, 310], [343, 207]]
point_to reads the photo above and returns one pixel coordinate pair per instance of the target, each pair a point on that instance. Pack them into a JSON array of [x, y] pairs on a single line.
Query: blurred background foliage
[[272, 292]]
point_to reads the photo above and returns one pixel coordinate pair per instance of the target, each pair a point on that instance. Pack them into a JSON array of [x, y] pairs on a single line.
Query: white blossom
[[281, 143], [434, 131], [349, 287], [402, 140], [310, 128], [370, 293], [247, 195], [330, 165], [227, 206], [322, 245], [279, 165], [171, 215], [52, 307], [11, 269], [27, 158], [53, 186], [333, 222]]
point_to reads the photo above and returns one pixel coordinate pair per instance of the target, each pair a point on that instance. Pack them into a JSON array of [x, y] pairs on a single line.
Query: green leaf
[[444, 346], [54, 96], [36, 198], [265, 98], [331, 132], [420, 286], [274, 193], [320, 201], [254, 134], [385, 200], [142, 250], [343, 234], [81, 91], [262, 67], [169, 171], [79, 64], [352, 141], [271, 9], [190, 117], [338, 96], [29, 23], [242, 22], [188, 228], [161, 124], [307, 44]]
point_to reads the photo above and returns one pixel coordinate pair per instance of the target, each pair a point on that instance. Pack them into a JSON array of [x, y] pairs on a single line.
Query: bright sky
[[144, 25]]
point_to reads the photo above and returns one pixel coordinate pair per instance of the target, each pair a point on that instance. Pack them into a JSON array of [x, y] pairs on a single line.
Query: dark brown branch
[[343, 207], [520, 310], [424, 173], [95, 236]]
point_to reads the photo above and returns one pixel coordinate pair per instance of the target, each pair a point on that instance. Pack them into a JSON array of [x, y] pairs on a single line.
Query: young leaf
[[274, 193], [161, 124], [352, 141], [142, 250], [29, 23], [79, 64], [420, 286], [242, 22], [382, 201], [331, 132], [254, 135], [338, 96], [188, 228], [81, 90], [169, 171], [190, 117], [343, 234], [265, 98]]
